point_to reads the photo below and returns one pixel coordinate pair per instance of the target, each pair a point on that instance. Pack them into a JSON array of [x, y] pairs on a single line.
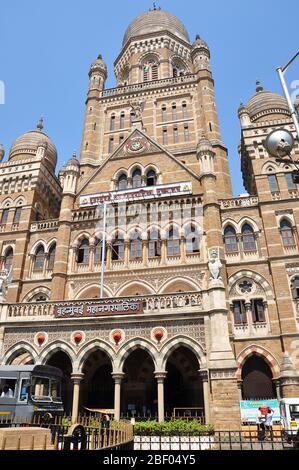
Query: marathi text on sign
[[131, 195], [98, 309]]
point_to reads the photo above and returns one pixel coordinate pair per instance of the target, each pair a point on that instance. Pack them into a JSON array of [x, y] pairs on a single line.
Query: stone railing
[[44, 225], [187, 302], [148, 85], [239, 202]]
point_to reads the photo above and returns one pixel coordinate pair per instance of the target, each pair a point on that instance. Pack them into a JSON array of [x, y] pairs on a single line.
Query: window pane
[[186, 133], [165, 137], [164, 114], [258, 311], [51, 257], [17, 215], [273, 183], [239, 312], [122, 121], [289, 180], [112, 123], [175, 135], [136, 179], [4, 216], [174, 113]]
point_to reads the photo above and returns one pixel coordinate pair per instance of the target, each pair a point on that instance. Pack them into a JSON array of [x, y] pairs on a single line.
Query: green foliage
[[176, 427]]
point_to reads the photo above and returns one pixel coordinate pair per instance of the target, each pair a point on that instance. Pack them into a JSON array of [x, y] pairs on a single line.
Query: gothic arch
[[81, 236], [133, 344], [37, 244], [185, 282], [90, 347], [256, 277], [186, 342], [37, 290], [15, 351], [269, 168], [145, 286], [8, 202], [248, 221], [54, 347], [20, 201], [83, 290], [262, 352]]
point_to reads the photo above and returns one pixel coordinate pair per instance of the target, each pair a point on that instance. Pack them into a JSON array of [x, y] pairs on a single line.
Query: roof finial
[[40, 124], [74, 154], [258, 86], [155, 7]]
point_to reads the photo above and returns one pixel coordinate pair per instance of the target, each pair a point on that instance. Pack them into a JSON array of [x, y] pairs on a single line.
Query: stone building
[[200, 300]]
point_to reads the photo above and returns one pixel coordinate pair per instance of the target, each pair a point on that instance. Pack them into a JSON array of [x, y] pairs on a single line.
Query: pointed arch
[[92, 346], [185, 341], [187, 285], [16, 350], [262, 352], [56, 346], [133, 344], [258, 278], [94, 292], [130, 287]]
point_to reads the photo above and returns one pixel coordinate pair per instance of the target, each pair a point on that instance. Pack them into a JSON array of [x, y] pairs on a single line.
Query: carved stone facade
[[217, 276]]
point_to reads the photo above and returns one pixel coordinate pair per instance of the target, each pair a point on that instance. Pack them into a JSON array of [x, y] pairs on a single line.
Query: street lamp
[[280, 142]]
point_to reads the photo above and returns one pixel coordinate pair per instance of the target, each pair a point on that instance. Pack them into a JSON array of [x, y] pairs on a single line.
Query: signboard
[[109, 307], [249, 409], [137, 194]]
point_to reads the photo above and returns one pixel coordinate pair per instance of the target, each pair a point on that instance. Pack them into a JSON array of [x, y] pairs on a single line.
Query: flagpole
[[103, 250]]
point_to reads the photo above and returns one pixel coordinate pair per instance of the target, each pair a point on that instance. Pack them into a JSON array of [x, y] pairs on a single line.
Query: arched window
[[118, 248], [136, 178], [178, 69], [122, 120], [154, 244], [295, 287], [4, 217], [192, 240], [150, 70], [112, 122], [51, 258], [39, 258], [136, 246], [122, 182], [248, 238], [175, 135], [17, 215], [98, 251], [8, 258], [173, 242], [290, 181], [83, 252], [174, 115], [164, 113], [111, 144], [230, 240], [287, 233], [151, 178], [184, 110]]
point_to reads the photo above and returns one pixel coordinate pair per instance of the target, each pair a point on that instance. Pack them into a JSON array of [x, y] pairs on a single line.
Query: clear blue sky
[[46, 48]]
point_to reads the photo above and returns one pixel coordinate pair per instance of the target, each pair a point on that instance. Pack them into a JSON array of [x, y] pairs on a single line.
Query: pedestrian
[[268, 423], [261, 422]]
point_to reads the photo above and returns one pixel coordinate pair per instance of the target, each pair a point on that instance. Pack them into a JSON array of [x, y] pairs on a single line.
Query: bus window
[[7, 387], [294, 412], [24, 390], [40, 387], [55, 389]]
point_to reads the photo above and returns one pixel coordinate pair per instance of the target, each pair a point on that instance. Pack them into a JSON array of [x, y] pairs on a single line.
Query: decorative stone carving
[[214, 267]]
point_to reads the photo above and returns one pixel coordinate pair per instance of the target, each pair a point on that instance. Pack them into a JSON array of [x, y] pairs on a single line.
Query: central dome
[[154, 21]]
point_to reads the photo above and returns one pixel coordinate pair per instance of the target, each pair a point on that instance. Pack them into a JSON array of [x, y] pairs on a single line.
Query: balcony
[[190, 302], [166, 82], [44, 225]]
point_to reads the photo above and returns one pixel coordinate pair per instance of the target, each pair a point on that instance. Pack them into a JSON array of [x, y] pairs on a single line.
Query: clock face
[[136, 144]]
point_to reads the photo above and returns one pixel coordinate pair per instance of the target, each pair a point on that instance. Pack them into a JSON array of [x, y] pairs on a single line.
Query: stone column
[[160, 376], [163, 251], [145, 252], [239, 384], [117, 388], [76, 378], [109, 256], [182, 249], [204, 375], [277, 387], [127, 252]]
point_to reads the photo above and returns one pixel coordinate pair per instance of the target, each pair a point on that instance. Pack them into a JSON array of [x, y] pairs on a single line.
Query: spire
[[2, 152], [40, 124], [258, 86], [155, 7]]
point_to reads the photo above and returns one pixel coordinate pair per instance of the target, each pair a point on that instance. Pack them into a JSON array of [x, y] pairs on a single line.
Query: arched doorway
[[183, 385], [97, 388], [139, 386], [62, 361], [22, 358], [257, 380]]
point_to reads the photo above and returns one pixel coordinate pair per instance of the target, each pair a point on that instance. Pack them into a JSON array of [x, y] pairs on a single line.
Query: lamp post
[[281, 73]]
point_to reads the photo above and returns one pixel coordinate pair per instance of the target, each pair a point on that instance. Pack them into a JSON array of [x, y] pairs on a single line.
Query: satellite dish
[[279, 143]]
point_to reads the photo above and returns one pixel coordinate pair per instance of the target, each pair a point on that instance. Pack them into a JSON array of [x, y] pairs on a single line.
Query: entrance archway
[[139, 386], [183, 385], [257, 380], [97, 388], [62, 361]]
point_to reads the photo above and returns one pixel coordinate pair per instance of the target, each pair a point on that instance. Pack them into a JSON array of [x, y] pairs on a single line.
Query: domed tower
[[167, 76], [263, 113]]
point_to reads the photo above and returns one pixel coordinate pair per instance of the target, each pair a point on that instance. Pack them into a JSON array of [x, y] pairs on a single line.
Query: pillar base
[[225, 409]]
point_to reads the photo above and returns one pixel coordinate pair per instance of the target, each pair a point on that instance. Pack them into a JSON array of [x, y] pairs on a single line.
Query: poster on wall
[[249, 409]]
